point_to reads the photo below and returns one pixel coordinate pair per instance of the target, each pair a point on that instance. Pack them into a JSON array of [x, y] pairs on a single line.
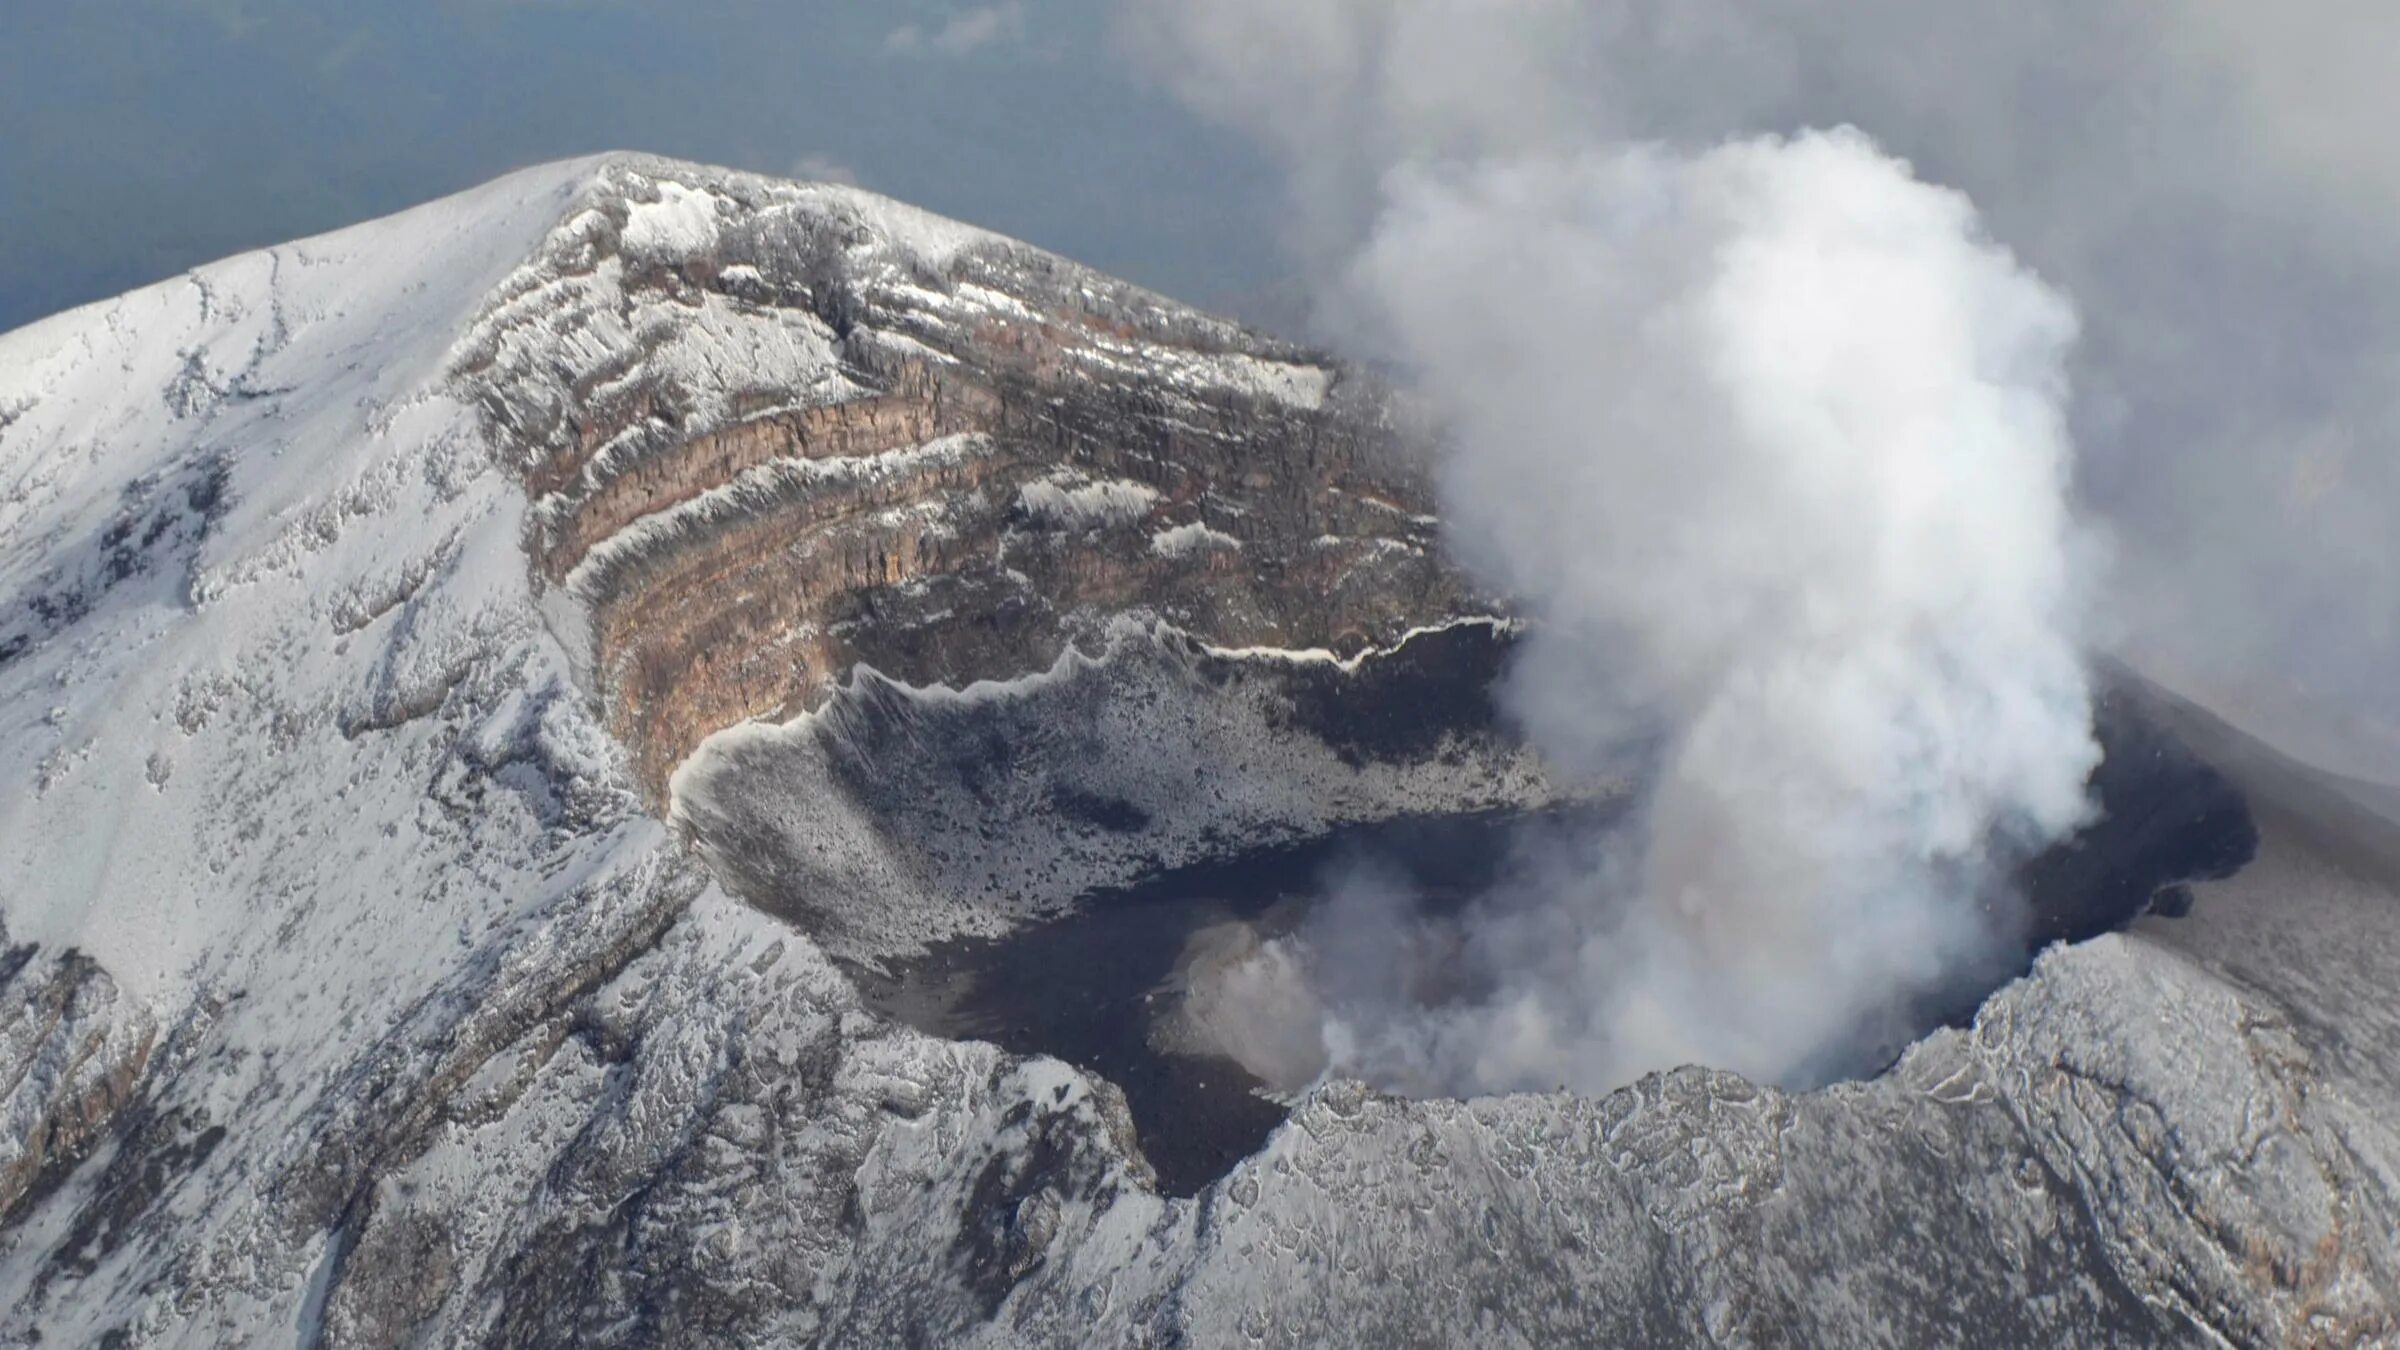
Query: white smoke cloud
[[962, 34], [1771, 442], [2210, 181], [1773, 439]]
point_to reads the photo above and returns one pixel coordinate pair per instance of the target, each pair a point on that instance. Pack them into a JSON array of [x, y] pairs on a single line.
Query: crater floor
[[1106, 985]]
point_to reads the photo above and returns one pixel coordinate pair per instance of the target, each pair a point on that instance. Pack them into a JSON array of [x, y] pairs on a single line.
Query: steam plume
[[2210, 181], [1771, 442]]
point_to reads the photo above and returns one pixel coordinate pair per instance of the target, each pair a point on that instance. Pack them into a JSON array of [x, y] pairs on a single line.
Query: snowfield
[[351, 994]]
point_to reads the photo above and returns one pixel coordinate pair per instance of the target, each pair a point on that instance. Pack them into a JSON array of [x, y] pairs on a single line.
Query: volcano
[[617, 759]]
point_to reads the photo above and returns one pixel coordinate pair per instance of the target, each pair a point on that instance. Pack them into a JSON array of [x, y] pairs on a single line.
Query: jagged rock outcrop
[[970, 816], [71, 1049]]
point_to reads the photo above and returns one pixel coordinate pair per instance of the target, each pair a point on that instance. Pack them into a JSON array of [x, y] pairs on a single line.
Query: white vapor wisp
[[1769, 441], [2209, 180]]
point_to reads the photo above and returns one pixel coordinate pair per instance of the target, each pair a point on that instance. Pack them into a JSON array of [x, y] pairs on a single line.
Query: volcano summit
[[582, 764]]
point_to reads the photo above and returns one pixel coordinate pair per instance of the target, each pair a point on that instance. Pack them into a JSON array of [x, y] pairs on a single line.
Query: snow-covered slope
[[292, 759], [316, 849], [356, 993]]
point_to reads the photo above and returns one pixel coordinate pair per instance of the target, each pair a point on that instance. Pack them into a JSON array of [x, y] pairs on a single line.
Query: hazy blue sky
[[139, 137]]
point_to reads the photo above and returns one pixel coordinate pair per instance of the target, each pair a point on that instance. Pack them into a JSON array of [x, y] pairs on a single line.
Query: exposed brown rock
[[72, 1051], [727, 581]]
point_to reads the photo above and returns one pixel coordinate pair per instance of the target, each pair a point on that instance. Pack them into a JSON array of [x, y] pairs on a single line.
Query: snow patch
[[682, 222], [1294, 386], [1184, 540], [1324, 656], [1068, 500], [755, 488], [933, 240]]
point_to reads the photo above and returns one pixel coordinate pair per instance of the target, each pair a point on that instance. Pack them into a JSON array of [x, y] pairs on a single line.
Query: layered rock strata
[[775, 431]]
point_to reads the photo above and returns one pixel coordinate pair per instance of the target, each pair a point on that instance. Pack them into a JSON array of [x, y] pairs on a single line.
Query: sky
[[142, 137]]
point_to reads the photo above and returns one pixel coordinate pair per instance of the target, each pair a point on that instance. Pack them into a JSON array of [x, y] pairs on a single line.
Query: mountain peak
[[488, 688]]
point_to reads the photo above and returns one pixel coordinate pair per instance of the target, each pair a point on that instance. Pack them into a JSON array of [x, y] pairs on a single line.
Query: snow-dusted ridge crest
[[275, 687], [861, 822], [1495, 623], [1114, 636], [356, 995]]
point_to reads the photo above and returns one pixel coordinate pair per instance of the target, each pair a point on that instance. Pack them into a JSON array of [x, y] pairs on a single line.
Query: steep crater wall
[[896, 818], [776, 431]]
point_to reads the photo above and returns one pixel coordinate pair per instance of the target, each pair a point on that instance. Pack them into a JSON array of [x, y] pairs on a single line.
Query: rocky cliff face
[[364, 603], [772, 432]]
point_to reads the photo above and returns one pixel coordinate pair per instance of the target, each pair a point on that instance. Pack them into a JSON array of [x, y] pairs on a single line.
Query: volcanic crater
[[1011, 631]]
